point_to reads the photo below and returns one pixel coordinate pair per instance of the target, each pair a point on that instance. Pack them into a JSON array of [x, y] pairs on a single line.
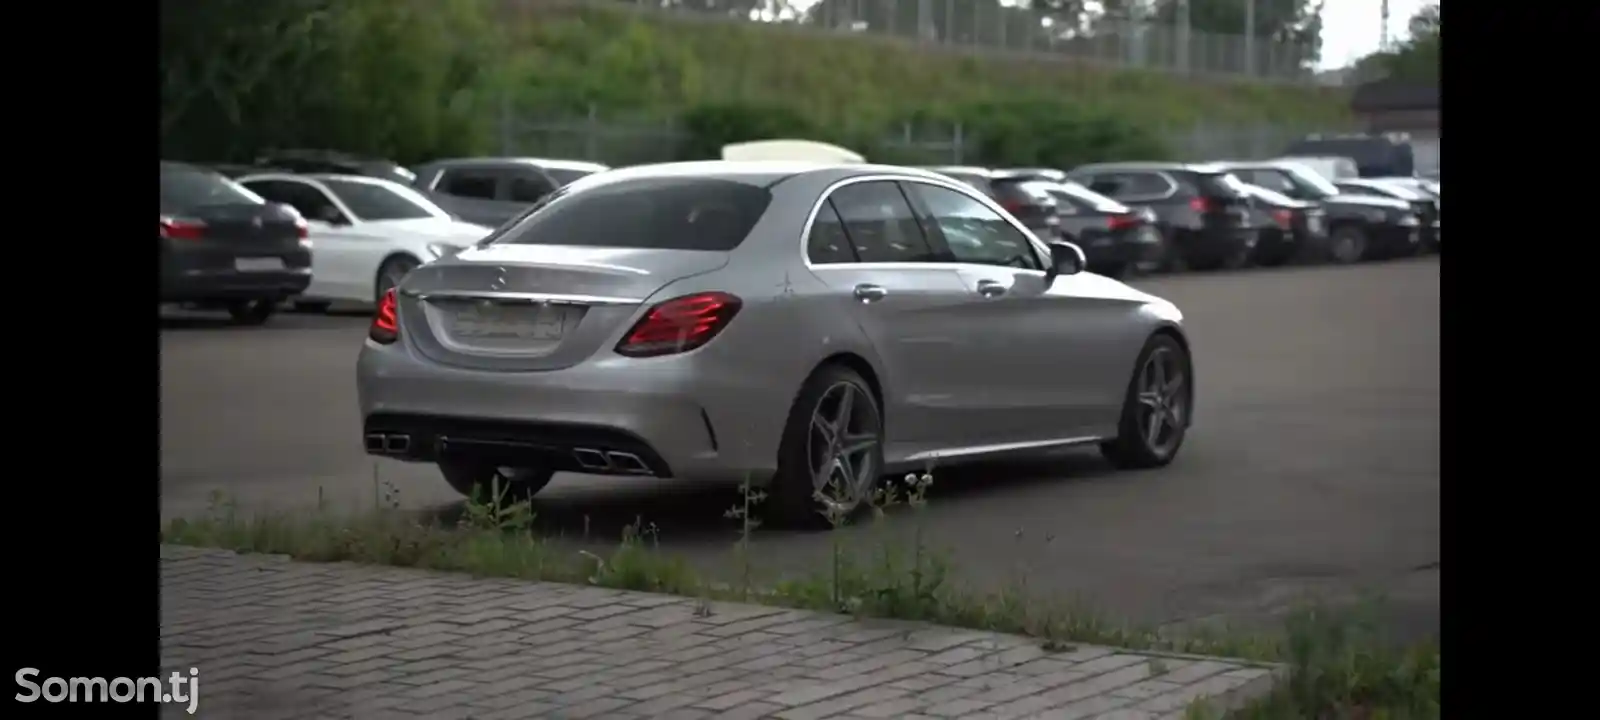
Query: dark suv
[[1021, 193], [1359, 227], [1204, 214]]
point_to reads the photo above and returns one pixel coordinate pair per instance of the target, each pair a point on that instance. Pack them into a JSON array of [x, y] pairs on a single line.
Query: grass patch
[[1340, 665]]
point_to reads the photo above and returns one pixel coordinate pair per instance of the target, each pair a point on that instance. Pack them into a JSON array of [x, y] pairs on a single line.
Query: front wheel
[[831, 454], [1156, 408], [480, 482], [1348, 244], [252, 312]]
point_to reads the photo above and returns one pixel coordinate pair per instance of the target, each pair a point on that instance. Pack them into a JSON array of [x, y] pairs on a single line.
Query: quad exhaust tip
[[628, 463], [386, 444], [610, 462], [592, 460]]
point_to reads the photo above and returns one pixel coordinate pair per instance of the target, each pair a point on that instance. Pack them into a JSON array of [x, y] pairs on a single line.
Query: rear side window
[[880, 223], [656, 213], [188, 188], [1123, 185], [529, 187], [566, 177], [828, 244]]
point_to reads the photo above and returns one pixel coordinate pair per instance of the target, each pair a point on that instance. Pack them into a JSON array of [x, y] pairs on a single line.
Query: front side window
[[973, 232]]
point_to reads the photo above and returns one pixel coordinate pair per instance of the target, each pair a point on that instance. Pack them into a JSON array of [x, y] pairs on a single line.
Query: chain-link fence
[[620, 143], [1012, 27]]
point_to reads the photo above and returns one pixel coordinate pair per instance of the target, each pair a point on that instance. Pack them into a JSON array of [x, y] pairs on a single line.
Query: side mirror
[[1065, 259]]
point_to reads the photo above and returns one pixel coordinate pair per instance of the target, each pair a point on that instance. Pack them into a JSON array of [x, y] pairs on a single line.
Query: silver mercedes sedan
[[809, 328]]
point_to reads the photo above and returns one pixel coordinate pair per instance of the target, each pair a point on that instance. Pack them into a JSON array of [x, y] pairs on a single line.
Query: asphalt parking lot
[[1313, 469]]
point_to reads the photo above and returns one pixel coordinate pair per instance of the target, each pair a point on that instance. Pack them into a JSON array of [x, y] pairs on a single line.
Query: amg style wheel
[[1156, 411], [832, 450]]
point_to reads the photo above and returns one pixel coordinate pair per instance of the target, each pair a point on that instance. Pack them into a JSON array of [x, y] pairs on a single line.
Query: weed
[[1339, 665]]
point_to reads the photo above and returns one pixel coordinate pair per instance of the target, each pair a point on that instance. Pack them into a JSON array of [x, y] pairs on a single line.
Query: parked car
[[1118, 241], [1290, 228], [1204, 216], [1412, 191], [1026, 198], [334, 162], [367, 233], [1359, 227], [1330, 167], [1375, 155], [760, 321], [491, 191], [223, 246]]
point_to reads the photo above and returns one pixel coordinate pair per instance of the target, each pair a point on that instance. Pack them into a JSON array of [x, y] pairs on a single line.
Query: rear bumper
[[196, 285], [1115, 251], [1216, 243], [678, 419]]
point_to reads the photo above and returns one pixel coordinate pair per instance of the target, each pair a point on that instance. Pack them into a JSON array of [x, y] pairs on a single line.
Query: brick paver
[[274, 638]]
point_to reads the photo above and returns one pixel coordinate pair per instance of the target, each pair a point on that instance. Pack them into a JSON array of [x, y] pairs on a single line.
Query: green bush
[[1042, 133]]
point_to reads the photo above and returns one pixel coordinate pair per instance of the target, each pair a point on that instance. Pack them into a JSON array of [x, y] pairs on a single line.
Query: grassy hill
[[620, 59]]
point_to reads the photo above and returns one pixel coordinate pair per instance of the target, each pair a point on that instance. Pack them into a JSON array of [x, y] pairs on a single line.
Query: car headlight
[[441, 251]]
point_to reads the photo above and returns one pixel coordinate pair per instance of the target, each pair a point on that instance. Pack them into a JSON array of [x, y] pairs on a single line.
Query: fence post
[[591, 127], [958, 144]]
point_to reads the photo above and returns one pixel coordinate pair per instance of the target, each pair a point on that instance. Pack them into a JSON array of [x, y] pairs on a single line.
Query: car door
[[1040, 385], [867, 246], [336, 240], [475, 193]]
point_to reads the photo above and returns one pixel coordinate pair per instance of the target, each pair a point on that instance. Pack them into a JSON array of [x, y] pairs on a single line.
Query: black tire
[[1348, 244], [1132, 449], [252, 312], [515, 484], [1167, 258], [312, 306], [390, 272], [791, 498]]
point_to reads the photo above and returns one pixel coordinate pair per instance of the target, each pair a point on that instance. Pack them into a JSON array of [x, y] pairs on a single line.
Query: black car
[[1359, 227], [1021, 194], [1290, 229], [1117, 240], [1204, 215], [1410, 190], [223, 247], [491, 191]]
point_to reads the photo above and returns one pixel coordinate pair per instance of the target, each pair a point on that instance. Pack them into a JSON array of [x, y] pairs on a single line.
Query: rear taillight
[[679, 325], [1202, 205], [1118, 222], [301, 229], [182, 228], [386, 322], [1284, 218]]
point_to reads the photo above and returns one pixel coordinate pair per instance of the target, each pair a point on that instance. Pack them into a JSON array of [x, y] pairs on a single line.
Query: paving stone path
[[275, 638]]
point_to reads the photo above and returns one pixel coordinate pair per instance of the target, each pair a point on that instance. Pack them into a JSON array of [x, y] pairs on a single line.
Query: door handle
[[990, 288], [867, 292]]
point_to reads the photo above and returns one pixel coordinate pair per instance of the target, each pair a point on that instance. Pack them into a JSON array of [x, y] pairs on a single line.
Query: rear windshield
[[1089, 197], [186, 188], [655, 213], [1032, 191], [372, 201], [1219, 185]]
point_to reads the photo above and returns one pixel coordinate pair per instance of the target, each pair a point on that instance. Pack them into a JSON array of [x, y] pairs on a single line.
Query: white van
[[800, 150]]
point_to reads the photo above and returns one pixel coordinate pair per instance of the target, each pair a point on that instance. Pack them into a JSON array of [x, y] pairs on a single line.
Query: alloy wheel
[[1163, 401], [842, 446]]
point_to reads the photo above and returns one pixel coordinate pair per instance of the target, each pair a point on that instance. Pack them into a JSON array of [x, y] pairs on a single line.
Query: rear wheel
[[480, 482], [831, 454], [1156, 410], [252, 312], [391, 273]]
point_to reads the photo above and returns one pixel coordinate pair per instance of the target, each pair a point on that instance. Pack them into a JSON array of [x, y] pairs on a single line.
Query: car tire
[[1168, 259], [312, 306], [1348, 244], [516, 484], [1135, 447], [391, 272], [792, 496], [252, 312]]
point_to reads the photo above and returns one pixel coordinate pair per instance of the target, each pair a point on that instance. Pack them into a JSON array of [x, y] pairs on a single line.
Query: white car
[[366, 233]]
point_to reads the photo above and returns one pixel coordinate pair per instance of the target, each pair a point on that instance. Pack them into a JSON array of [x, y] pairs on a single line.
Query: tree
[[1415, 59], [969, 22]]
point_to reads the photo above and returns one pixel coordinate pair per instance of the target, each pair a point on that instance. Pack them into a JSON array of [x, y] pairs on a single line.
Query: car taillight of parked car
[[182, 228], [385, 328], [1284, 218], [680, 325], [1127, 220], [1202, 205]]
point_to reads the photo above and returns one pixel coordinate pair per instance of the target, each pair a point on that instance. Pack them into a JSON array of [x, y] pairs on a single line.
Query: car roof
[[1152, 166], [754, 172], [318, 177], [959, 169], [1049, 174], [551, 163]]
